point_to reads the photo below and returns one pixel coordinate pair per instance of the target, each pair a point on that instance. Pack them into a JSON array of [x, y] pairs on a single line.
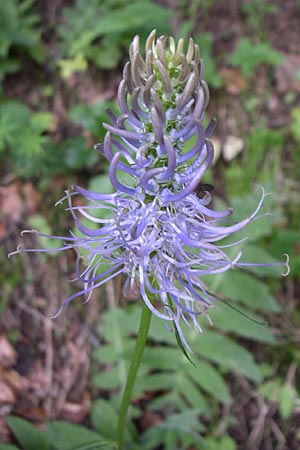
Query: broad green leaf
[[210, 380], [160, 332], [41, 121], [131, 16], [106, 56], [163, 358], [67, 436], [225, 443], [287, 398], [228, 319], [171, 401], [110, 355], [154, 382], [179, 429], [115, 25], [270, 389], [226, 353], [29, 437], [164, 368], [190, 392], [7, 447], [105, 420], [91, 117], [118, 323], [77, 154], [238, 286], [109, 379]]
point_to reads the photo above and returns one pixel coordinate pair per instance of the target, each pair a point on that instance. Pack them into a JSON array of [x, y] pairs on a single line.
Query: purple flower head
[[157, 231], [162, 99]]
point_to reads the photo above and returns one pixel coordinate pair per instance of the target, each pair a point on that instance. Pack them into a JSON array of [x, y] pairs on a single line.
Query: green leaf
[[294, 126], [91, 116], [41, 121], [171, 401], [67, 436], [225, 443], [228, 319], [270, 389], [8, 447], [209, 379], [178, 431], [237, 286], [77, 154], [226, 353], [29, 437], [19, 28], [162, 363], [117, 22], [72, 65], [109, 379], [105, 57], [286, 400], [180, 344], [105, 420], [190, 392], [248, 55], [39, 223], [163, 358]]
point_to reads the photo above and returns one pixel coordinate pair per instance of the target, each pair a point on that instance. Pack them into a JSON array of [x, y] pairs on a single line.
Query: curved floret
[[157, 231]]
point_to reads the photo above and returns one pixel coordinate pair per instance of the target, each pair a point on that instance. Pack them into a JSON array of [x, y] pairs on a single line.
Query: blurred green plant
[[91, 116], [205, 42], [101, 41], [294, 125], [9, 279], [58, 436], [27, 149], [283, 393], [256, 11], [188, 15], [19, 33], [262, 157], [22, 137], [248, 55]]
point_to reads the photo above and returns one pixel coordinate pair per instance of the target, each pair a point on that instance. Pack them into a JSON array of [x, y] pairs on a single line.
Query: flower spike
[[157, 231]]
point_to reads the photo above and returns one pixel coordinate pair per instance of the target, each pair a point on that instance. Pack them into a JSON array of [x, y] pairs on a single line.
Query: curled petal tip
[[286, 264], [16, 252], [20, 249], [29, 232], [56, 313]]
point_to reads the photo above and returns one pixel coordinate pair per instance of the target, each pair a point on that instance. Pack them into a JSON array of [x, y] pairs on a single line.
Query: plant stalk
[[135, 363]]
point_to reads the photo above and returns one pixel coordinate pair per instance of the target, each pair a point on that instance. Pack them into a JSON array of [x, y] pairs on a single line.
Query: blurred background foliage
[[60, 64]]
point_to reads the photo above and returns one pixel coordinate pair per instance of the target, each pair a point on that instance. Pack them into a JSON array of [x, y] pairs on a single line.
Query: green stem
[[135, 363]]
